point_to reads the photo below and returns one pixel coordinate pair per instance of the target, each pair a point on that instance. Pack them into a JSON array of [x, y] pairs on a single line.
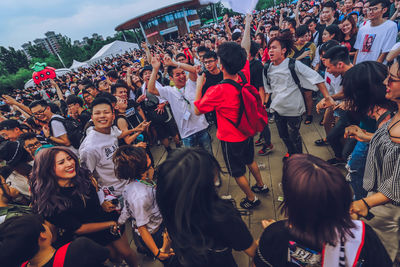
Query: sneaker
[[286, 157], [260, 189], [259, 142], [247, 204], [265, 150], [321, 142], [336, 161]]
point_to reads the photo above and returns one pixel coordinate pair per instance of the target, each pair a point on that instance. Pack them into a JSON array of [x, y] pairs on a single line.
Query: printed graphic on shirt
[[368, 42], [109, 151], [302, 256]]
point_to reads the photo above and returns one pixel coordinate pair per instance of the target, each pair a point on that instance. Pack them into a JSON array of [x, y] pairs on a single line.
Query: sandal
[[308, 120]]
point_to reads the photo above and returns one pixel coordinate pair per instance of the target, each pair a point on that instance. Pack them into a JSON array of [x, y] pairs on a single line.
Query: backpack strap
[[59, 258], [62, 120], [24, 264], [292, 65], [241, 106], [266, 69]]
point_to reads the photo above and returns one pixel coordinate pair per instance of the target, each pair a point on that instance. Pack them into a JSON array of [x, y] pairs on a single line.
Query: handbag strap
[[59, 258]]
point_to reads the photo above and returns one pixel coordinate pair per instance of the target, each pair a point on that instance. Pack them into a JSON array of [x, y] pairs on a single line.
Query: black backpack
[[74, 130], [292, 64]]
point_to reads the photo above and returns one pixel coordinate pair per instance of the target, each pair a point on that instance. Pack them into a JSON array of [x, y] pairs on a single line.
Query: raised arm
[[155, 62], [246, 36], [296, 12], [191, 69], [59, 93]]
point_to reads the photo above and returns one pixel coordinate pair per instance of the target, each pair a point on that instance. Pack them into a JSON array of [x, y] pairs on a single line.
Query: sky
[[25, 20]]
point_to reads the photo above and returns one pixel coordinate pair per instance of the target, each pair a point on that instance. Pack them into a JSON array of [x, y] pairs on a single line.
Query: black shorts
[[237, 155]]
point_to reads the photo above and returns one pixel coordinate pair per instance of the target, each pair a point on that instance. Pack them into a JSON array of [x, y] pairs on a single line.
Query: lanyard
[[152, 184], [183, 95]]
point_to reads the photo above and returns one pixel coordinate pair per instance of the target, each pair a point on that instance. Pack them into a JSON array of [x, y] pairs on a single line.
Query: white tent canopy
[[76, 65], [59, 72], [113, 49]]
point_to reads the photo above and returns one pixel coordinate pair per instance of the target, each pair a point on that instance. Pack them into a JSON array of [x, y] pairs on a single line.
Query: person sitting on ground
[[319, 230]]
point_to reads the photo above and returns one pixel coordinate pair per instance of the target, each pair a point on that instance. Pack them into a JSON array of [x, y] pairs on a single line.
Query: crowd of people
[[77, 170]]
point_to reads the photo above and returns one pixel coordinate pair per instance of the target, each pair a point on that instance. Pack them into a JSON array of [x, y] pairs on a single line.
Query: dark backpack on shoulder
[[74, 130], [292, 65], [252, 115]]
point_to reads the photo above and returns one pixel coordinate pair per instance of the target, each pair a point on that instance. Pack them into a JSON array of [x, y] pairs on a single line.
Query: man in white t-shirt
[[98, 147], [377, 37], [287, 100], [53, 129], [192, 128]]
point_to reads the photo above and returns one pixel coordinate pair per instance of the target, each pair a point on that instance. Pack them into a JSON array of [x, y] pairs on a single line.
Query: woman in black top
[[349, 30], [203, 228], [319, 230], [65, 195]]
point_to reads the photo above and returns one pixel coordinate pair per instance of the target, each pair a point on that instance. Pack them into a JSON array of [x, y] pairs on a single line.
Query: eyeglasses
[[208, 62], [40, 112], [34, 145], [373, 9]]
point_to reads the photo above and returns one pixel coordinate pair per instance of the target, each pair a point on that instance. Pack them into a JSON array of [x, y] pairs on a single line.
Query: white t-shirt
[[187, 121], [372, 41], [333, 84], [141, 205], [96, 152], [286, 97], [58, 130]]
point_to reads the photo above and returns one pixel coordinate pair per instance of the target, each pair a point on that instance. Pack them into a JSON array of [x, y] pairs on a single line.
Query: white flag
[[240, 6]]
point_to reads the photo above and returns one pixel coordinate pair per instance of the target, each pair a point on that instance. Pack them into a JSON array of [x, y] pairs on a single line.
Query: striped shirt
[[382, 169]]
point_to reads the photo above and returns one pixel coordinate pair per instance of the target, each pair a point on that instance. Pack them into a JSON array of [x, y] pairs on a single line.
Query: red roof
[[134, 23]]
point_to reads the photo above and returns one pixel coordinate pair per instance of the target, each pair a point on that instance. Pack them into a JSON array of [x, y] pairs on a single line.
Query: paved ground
[[271, 174]]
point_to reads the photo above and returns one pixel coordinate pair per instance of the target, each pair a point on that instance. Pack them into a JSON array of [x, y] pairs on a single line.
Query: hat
[[147, 67], [12, 152], [9, 125]]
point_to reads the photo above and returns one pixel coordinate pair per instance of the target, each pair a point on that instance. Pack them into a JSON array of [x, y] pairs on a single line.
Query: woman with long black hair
[[65, 195], [203, 227]]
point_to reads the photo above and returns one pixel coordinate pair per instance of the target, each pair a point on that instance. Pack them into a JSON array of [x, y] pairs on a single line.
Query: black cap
[[12, 152], [147, 67]]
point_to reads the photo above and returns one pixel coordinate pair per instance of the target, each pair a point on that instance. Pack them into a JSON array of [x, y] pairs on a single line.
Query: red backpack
[[59, 257], [252, 115]]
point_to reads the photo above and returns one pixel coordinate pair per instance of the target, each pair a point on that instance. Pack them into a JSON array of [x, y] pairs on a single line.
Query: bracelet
[[158, 254], [366, 204]]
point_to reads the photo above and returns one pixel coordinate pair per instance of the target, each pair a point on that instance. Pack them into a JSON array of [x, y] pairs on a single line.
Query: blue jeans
[[201, 139], [356, 167]]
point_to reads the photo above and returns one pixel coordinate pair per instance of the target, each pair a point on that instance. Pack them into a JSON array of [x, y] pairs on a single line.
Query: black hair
[[130, 162], [202, 49], [180, 55], [274, 28], [312, 19], [89, 85], [73, 99], [99, 101], [328, 45], [41, 102], [338, 53], [329, 4], [302, 30], [334, 29], [364, 86], [189, 203], [117, 85], [317, 200], [210, 54], [291, 22], [108, 96], [26, 136], [232, 57], [236, 35], [254, 48], [285, 40], [19, 239], [112, 74], [376, 2]]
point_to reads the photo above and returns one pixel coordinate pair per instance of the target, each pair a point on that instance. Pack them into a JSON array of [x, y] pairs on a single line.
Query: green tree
[[38, 51], [17, 80], [12, 60]]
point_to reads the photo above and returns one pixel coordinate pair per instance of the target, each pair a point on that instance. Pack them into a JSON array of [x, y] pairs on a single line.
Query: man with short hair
[[327, 17], [377, 36], [76, 111], [238, 148], [30, 142], [192, 128], [92, 89], [53, 129], [10, 130]]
